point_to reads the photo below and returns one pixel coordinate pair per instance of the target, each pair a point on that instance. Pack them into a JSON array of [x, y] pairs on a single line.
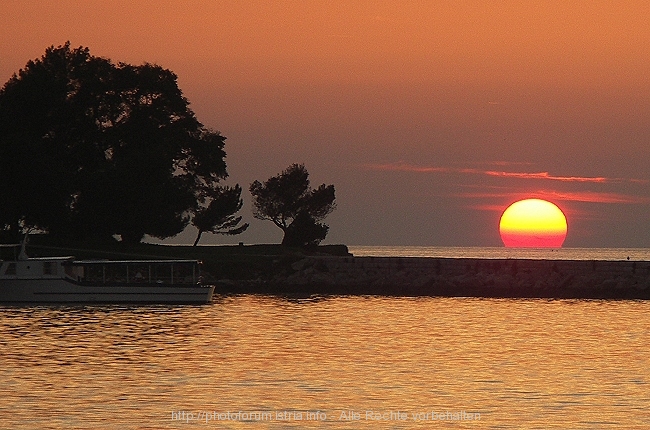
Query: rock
[[299, 265]]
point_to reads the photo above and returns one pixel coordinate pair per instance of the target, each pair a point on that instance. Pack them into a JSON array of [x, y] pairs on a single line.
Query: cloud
[[488, 208], [485, 191], [596, 197], [505, 163], [546, 175], [405, 167], [581, 196]]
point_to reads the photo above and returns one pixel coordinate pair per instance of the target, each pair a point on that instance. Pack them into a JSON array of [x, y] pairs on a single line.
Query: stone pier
[[454, 277]]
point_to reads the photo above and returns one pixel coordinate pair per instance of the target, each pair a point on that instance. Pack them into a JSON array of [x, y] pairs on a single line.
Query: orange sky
[[403, 106]]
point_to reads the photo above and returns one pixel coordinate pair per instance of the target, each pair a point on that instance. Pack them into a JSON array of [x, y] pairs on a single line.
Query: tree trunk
[[132, 238], [198, 237]]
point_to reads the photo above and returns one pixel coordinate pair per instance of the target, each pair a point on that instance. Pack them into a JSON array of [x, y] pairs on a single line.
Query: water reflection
[[519, 363]]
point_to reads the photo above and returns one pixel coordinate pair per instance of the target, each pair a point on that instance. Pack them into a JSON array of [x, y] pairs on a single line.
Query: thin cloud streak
[[585, 196], [546, 175], [504, 163], [404, 167]]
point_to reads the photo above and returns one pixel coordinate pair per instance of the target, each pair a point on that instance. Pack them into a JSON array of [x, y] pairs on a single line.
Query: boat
[[25, 279]]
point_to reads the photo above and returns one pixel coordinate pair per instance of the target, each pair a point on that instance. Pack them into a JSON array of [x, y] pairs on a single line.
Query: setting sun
[[533, 223]]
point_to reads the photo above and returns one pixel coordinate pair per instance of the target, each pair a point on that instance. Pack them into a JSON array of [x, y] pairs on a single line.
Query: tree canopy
[[291, 204], [90, 148]]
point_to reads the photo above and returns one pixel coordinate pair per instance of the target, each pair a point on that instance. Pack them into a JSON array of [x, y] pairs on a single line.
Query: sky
[[429, 117]]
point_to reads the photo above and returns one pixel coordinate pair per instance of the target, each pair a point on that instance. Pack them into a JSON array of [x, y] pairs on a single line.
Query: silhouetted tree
[[93, 148], [304, 231], [289, 202], [219, 215]]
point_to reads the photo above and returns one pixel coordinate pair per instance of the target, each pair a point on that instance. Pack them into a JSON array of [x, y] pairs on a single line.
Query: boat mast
[[23, 253]]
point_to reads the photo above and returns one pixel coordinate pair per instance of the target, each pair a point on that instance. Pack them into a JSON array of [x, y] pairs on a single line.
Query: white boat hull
[[64, 291]]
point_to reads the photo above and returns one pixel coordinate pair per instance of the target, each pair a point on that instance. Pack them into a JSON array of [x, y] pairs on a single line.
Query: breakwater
[[453, 277]]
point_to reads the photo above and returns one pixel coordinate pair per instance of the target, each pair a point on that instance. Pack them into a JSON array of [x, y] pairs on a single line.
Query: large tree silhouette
[[92, 148], [289, 202]]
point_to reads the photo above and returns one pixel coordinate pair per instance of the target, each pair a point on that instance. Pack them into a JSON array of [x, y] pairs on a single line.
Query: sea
[[341, 362], [612, 254]]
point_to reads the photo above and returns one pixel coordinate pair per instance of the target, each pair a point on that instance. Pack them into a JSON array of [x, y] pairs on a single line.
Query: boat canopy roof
[[132, 261], [69, 258]]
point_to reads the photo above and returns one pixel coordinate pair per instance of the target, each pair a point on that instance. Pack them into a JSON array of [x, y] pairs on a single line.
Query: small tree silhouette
[[218, 216], [289, 202]]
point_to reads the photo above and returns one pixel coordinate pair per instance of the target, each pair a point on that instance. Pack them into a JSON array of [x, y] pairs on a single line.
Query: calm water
[[275, 363], [502, 252]]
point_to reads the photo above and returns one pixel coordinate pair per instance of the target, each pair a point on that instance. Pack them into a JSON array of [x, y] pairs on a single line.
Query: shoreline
[[332, 270]]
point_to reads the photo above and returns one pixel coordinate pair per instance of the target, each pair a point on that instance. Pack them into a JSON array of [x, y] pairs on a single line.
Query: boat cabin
[[99, 272], [165, 272], [34, 268]]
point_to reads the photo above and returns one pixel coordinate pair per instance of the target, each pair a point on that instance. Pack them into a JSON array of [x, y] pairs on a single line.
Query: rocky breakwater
[[457, 277]]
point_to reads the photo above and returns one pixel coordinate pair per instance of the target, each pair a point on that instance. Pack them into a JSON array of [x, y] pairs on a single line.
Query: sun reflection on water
[[519, 363]]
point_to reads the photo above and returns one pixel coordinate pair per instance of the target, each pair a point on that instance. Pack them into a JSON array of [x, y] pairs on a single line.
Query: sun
[[533, 223]]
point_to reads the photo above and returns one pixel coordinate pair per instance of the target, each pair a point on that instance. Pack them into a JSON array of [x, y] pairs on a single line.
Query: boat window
[[116, 273], [139, 273], [184, 273], [95, 273], [162, 273], [11, 269]]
